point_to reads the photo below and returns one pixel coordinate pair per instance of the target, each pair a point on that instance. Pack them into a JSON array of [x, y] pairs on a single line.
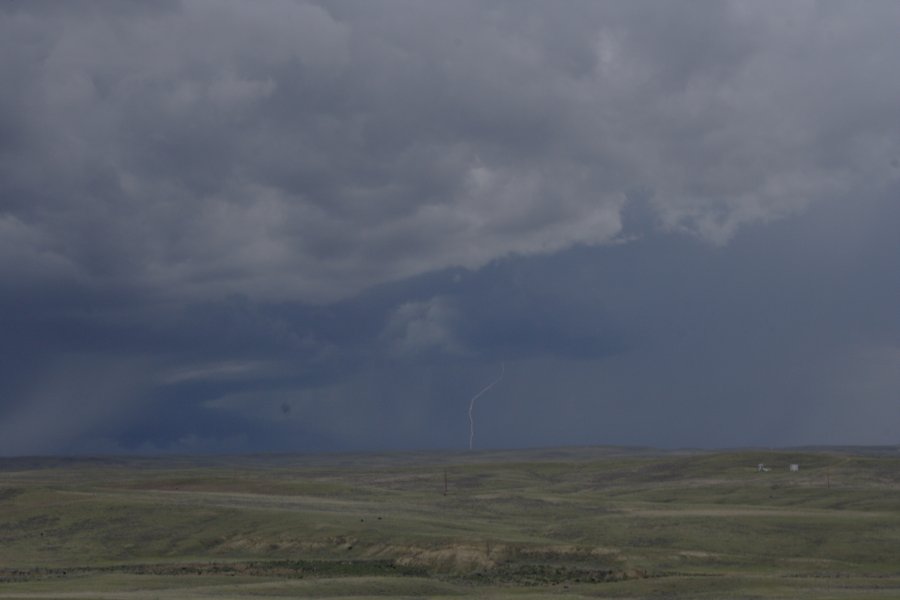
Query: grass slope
[[589, 522]]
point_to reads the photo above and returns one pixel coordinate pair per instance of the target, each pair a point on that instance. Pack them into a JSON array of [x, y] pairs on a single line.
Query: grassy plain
[[567, 523]]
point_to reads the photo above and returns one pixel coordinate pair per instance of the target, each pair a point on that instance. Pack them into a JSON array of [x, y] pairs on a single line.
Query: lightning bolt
[[475, 397]]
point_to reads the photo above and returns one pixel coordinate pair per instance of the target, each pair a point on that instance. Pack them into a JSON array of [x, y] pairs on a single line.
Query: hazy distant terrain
[[569, 523]]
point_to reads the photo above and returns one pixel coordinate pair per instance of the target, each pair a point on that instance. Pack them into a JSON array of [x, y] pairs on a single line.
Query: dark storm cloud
[[197, 198], [788, 335], [296, 150]]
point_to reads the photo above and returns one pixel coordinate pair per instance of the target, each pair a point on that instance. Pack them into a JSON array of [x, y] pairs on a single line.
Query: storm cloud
[[230, 226]]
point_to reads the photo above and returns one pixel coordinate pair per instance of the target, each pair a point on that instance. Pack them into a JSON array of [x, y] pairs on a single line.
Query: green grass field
[[568, 523]]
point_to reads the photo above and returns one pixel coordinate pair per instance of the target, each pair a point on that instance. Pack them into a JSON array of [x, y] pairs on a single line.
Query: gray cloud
[[416, 329], [300, 151], [361, 208]]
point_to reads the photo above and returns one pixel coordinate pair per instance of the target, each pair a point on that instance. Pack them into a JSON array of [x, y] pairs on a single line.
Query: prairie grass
[[590, 523]]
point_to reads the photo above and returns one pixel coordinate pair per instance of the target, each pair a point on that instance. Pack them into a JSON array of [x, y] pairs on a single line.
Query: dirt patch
[[563, 552], [455, 558]]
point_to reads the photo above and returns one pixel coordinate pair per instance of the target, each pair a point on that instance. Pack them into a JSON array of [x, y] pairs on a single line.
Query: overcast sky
[[325, 226]]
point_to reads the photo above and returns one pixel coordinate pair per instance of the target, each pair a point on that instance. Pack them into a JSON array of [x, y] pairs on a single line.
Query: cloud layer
[[223, 208], [292, 150]]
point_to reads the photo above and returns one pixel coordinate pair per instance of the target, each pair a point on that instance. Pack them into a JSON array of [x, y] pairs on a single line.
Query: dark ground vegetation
[[591, 522]]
